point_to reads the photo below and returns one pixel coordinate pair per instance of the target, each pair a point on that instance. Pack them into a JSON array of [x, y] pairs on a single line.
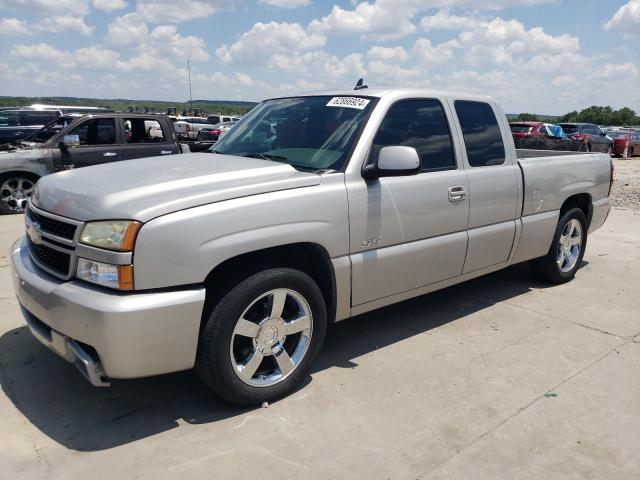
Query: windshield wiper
[[266, 156]]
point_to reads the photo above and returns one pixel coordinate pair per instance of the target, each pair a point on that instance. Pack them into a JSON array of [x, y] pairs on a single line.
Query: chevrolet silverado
[[311, 210]]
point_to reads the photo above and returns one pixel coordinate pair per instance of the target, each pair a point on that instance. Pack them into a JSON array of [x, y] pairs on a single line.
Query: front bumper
[[108, 334]]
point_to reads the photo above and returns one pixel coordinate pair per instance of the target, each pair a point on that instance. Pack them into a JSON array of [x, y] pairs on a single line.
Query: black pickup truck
[[16, 124], [72, 142]]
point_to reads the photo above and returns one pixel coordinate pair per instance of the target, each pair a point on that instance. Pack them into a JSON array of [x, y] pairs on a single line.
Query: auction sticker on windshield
[[349, 102]]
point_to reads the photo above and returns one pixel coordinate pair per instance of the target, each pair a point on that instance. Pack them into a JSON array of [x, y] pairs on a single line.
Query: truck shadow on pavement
[[58, 401]]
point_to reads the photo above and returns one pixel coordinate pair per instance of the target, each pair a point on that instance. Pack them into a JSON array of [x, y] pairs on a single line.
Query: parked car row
[[19, 123], [585, 137], [74, 141], [189, 127]]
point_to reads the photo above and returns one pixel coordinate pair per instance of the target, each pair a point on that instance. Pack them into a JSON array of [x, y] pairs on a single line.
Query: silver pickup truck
[[311, 210]]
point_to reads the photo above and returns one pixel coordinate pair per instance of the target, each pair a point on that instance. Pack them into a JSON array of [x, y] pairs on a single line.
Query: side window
[[481, 133], [37, 118], [143, 130], [421, 124], [100, 131]]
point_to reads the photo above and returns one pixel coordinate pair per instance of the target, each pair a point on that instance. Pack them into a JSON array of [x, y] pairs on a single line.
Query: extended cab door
[[494, 178], [147, 137], [97, 137], [410, 231]]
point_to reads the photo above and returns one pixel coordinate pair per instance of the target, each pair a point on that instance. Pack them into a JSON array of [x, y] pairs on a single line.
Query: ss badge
[[371, 242]]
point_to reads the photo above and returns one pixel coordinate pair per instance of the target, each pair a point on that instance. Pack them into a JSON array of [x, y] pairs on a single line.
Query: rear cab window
[[143, 130], [421, 124], [481, 133]]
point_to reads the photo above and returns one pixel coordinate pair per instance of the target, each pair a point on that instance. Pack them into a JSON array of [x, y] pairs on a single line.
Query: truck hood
[[146, 188]]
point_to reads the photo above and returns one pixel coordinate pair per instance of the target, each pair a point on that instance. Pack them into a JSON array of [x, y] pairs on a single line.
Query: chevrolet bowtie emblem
[[34, 233]]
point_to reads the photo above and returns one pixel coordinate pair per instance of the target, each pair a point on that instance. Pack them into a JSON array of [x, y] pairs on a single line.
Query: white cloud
[[176, 11], [50, 7], [387, 54], [45, 53], [265, 40], [428, 54], [617, 70], [60, 24], [443, 20], [129, 29], [165, 40], [109, 5], [145, 62], [319, 62], [514, 37], [626, 19], [96, 57], [393, 19], [382, 20], [13, 26], [286, 3]]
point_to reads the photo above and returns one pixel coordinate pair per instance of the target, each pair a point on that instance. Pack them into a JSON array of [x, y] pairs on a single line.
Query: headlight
[[105, 274], [111, 234]]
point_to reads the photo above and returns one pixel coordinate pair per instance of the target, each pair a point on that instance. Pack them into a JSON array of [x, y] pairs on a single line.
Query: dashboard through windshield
[[309, 133]]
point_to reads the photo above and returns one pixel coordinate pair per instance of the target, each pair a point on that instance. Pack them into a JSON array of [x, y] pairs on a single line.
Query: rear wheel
[[261, 339], [15, 190], [565, 255]]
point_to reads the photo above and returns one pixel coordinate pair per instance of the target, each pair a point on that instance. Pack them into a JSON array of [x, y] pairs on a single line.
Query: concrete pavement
[[501, 377]]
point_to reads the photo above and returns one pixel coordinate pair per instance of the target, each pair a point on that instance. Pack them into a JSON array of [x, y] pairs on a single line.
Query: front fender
[[182, 248], [36, 161]]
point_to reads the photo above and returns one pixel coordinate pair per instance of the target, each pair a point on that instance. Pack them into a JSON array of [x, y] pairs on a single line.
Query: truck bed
[[549, 177]]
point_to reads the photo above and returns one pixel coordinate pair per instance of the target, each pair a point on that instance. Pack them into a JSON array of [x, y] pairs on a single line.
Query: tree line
[[593, 114]]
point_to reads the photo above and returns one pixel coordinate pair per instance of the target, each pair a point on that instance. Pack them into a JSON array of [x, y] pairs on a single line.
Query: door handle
[[457, 193], [165, 152], [110, 154]]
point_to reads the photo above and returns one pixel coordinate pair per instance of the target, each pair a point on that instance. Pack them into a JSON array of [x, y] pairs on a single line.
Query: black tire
[[5, 206], [213, 362], [546, 268]]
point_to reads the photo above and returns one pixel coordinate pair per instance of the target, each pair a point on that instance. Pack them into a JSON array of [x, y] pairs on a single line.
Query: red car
[[527, 129], [620, 138]]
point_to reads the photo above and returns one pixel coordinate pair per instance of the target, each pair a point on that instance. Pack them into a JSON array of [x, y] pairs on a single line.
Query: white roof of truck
[[381, 92]]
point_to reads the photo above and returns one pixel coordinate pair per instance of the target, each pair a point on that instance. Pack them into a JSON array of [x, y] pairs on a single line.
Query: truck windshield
[[308, 133], [48, 131]]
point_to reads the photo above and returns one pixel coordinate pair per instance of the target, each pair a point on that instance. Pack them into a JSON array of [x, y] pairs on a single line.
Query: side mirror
[[69, 141], [395, 161], [604, 134]]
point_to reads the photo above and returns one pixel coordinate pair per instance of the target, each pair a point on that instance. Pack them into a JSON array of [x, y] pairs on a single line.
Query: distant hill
[[514, 116], [122, 104]]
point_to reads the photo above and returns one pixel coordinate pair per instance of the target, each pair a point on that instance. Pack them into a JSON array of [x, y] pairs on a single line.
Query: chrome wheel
[[15, 192], [569, 245], [271, 337]]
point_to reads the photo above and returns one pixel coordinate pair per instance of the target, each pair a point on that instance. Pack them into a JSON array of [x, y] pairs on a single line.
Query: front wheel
[[562, 261], [15, 190], [261, 339]]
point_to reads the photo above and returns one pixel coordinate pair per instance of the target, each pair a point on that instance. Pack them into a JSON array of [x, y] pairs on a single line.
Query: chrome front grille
[[52, 241], [56, 260], [53, 226]]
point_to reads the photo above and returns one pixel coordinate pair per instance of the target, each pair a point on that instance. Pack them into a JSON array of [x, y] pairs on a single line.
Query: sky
[[542, 56]]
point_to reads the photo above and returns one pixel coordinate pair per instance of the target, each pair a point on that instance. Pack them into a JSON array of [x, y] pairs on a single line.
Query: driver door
[[97, 144], [409, 231]]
